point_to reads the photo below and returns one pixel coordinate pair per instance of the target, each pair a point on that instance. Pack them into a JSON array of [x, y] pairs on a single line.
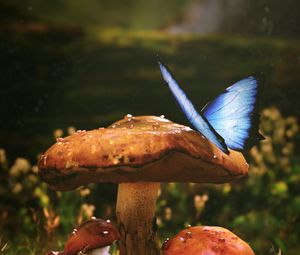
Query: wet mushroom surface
[[138, 153], [135, 149], [92, 237], [206, 240]]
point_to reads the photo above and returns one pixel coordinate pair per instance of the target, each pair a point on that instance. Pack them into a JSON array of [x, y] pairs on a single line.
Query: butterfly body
[[227, 121]]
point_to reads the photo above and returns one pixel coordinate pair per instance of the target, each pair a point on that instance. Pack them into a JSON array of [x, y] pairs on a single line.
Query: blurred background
[[67, 65]]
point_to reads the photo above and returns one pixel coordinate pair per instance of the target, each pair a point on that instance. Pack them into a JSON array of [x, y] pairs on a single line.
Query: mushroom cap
[[203, 240], [143, 148], [90, 235]]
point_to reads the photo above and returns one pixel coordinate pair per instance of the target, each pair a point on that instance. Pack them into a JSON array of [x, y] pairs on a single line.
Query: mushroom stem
[[136, 217], [100, 251]]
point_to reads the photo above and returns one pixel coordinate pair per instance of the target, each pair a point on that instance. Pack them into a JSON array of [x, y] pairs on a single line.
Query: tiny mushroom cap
[[90, 235], [204, 240], [135, 149]]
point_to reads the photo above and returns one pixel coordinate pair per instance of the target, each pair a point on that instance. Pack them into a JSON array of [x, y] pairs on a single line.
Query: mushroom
[[204, 240], [92, 237], [138, 153]]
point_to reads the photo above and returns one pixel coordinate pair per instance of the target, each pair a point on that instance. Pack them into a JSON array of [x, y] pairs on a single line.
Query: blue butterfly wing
[[196, 119], [231, 114]]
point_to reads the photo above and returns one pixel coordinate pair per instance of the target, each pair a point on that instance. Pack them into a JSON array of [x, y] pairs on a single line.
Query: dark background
[[64, 63]]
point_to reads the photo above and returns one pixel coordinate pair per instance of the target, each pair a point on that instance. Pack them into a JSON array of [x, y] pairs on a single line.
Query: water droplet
[[222, 240], [108, 221], [215, 156], [54, 253], [104, 233], [101, 128], [93, 149], [162, 116], [80, 131], [45, 159], [155, 126], [189, 234], [90, 136], [69, 164], [182, 239], [113, 126], [202, 136], [93, 218], [128, 117], [115, 161], [165, 244], [189, 225], [74, 231]]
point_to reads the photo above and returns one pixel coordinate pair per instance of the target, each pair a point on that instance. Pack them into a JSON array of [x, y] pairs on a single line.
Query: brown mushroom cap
[[204, 240], [144, 148], [90, 235]]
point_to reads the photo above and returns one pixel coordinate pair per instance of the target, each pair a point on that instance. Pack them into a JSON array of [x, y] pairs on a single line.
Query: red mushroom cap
[[90, 235], [205, 240]]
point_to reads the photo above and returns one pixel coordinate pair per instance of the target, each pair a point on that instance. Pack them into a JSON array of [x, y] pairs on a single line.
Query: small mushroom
[[203, 240], [92, 237], [138, 153]]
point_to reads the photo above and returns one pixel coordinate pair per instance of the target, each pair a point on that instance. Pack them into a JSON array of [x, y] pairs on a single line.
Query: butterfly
[[228, 121]]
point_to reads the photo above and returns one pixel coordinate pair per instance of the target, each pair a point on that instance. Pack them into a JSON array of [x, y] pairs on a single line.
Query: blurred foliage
[[262, 208], [66, 63], [246, 17], [28, 207], [58, 81]]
